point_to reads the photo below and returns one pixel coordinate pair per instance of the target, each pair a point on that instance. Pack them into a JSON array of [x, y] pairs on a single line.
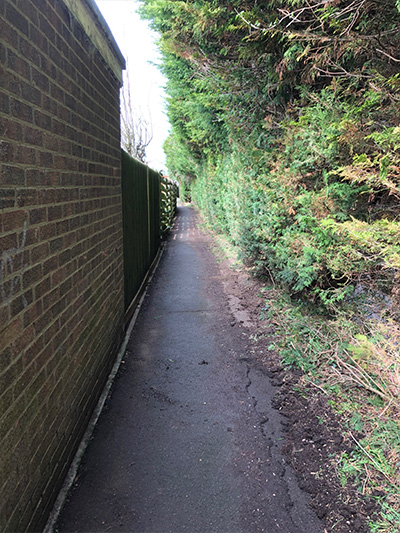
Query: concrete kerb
[[70, 477]]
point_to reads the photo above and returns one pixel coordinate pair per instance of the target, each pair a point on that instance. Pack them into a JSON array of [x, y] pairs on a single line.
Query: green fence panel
[[141, 215], [154, 218], [148, 207]]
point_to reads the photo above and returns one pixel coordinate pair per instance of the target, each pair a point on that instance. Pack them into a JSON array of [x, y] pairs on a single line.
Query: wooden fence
[[148, 206]]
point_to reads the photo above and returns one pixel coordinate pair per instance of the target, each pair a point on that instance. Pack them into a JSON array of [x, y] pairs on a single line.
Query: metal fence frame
[[148, 207], [141, 222]]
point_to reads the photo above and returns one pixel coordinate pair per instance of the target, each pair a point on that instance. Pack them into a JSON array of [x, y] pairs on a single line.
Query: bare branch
[[136, 128], [388, 55]]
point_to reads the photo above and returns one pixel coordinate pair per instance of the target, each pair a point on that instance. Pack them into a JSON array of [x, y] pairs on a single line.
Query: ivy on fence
[[168, 197]]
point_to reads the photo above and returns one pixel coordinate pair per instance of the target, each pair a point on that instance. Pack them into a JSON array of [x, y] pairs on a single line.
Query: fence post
[[148, 213]]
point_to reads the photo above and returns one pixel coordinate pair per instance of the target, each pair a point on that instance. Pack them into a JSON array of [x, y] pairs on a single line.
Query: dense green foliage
[[285, 131]]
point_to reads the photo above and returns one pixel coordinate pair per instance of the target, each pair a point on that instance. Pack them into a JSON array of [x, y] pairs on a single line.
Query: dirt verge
[[314, 435]]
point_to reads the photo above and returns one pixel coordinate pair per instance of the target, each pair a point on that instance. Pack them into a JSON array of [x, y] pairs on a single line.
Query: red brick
[[30, 236], [47, 196], [62, 13], [43, 120], [33, 136], [70, 239], [24, 340], [25, 155], [32, 276], [68, 211], [32, 352], [35, 177], [29, 9], [8, 241], [40, 40], [30, 93], [6, 401], [7, 198], [12, 434], [58, 127], [56, 244], [10, 129], [47, 231], [51, 107], [50, 264], [37, 215], [39, 253], [21, 110], [50, 332], [19, 303], [33, 312], [63, 226], [47, 29], [12, 175], [46, 158], [26, 197], [50, 142], [9, 333], [26, 382], [54, 212], [4, 316], [28, 51], [14, 220], [42, 322], [42, 288], [65, 287], [62, 121], [4, 103], [16, 19]]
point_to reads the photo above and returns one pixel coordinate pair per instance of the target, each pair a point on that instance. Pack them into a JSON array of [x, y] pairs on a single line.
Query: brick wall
[[61, 278]]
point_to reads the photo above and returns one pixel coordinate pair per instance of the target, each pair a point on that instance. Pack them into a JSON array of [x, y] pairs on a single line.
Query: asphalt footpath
[[187, 441]]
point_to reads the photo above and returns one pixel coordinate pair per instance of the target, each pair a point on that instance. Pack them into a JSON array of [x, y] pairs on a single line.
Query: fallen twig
[[377, 466]]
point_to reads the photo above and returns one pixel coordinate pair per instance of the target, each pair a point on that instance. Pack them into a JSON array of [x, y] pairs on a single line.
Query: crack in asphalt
[[260, 392]]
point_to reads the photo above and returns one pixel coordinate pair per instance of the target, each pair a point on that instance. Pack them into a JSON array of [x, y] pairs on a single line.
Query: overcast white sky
[[137, 44]]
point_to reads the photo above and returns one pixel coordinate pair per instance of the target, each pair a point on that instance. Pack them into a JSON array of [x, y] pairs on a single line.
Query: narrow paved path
[[188, 441]]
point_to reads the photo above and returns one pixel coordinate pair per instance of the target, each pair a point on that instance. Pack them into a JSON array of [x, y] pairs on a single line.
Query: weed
[[389, 522], [355, 362]]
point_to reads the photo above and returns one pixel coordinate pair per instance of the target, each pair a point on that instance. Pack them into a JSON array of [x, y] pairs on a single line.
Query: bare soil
[[314, 435]]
